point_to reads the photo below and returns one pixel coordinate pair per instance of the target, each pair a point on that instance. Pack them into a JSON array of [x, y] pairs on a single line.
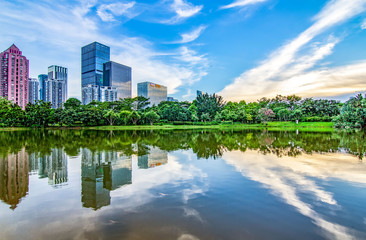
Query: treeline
[[204, 143], [205, 109]]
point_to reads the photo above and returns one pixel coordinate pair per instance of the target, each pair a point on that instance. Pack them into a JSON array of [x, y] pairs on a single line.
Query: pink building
[[14, 75]]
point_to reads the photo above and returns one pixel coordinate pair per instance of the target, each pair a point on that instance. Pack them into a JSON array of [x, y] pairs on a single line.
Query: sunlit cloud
[[191, 36], [242, 3], [289, 64], [183, 10], [107, 12]]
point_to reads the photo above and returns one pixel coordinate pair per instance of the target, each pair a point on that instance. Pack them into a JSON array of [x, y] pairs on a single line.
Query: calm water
[[183, 185]]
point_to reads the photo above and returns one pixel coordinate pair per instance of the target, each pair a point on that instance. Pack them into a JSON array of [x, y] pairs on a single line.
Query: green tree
[[111, 116], [210, 104], [152, 117], [73, 103], [134, 117]]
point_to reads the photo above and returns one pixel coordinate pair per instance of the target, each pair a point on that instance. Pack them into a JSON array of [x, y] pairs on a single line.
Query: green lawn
[[271, 126]]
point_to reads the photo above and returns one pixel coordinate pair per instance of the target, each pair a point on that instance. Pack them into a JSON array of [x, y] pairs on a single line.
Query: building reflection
[[154, 158], [102, 172], [14, 177]]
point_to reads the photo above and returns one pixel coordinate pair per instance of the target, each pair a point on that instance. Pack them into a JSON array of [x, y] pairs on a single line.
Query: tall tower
[[42, 78], [118, 76], [56, 86], [93, 56], [33, 90], [14, 75]]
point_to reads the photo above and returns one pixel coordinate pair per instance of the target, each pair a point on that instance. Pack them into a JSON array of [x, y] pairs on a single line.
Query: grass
[[271, 126]]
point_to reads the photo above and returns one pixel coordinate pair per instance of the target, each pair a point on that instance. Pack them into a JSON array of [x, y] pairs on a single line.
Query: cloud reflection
[[286, 177]]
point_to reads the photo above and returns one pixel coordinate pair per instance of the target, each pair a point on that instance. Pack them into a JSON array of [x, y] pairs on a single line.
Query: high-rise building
[[171, 99], [90, 93], [118, 76], [107, 94], [56, 86], [33, 90], [155, 92], [14, 75], [93, 56], [200, 93], [42, 78]]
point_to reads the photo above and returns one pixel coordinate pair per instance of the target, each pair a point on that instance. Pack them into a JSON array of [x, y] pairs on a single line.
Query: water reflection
[[129, 171], [14, 177], [102, 172], [289, 180]]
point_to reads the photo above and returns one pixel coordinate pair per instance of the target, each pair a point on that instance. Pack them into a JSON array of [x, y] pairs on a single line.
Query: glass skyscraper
[[155, 92], [118, 76], [93, 56], [42, 78]]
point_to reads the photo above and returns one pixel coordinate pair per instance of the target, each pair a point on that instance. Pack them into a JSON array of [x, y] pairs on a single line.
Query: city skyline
[[242, 50]]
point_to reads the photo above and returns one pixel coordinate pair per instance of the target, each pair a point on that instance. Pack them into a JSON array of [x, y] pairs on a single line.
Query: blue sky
[[241, 49]]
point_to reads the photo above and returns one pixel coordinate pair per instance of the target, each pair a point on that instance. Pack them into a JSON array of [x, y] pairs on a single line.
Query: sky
[[239, 49]]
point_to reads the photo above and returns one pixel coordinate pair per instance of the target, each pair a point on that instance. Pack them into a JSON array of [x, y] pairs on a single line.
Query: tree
[[265, 114], [134, 117], [73, 103], [296, 114], [210, 104], [152, 117], [124, 116], [353, 113], [111, 116], [38, 114]]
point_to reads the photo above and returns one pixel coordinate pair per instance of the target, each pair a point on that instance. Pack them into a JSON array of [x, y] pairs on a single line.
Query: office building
[[90, 93], [93, 56], [171, 99], [42, 78], [154, 92], [56, 86], [107, 94], [14, 75], [118, 76], [33, 90]]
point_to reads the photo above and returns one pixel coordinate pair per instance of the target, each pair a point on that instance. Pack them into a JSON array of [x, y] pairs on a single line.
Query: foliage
[[353, 113]]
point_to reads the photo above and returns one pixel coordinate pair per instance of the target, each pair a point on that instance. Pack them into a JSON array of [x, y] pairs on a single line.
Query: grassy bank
[[271, 126]]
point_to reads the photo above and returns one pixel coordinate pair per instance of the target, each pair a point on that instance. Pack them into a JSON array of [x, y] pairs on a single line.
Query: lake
[[184, 185]]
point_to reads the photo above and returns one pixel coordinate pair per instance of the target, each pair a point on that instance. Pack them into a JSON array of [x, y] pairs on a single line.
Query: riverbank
[[271, 126]]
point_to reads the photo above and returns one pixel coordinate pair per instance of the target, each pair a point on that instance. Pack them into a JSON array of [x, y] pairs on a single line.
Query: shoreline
[[272, 126]]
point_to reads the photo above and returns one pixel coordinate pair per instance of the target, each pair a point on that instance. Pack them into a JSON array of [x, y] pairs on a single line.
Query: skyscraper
[[118, 76], [42, 78], [107, 94], [155, 92], [56, 86], [14, 74], [93, 56], [33, 90]]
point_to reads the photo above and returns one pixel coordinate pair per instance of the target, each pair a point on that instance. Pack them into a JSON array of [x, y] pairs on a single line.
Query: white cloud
[[107, 12], [268, 78], [54, 35], [183, 10], [363, 25], [193, 35], [242, 3]]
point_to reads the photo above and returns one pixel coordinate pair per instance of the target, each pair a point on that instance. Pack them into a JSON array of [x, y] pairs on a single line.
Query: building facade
[[42, 78], [56, 86], [107, 94], [14, 75], [155, 92], [90, 93], [33, 90], [93, 56], [118, 76]]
